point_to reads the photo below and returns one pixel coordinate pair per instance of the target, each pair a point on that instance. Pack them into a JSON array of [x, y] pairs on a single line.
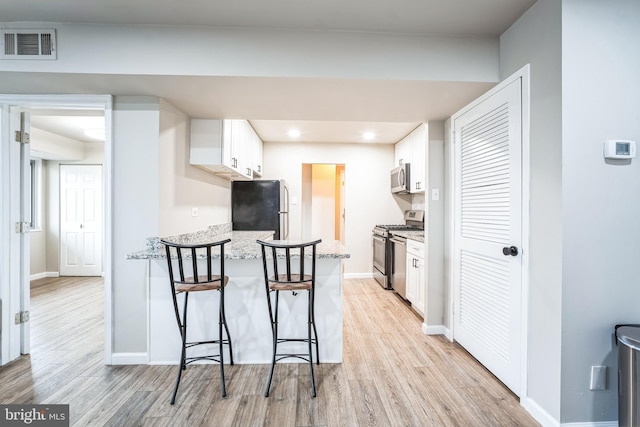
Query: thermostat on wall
[[619, 149]]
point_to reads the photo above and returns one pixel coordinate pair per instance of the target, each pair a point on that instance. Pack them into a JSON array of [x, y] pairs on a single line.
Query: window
[[36, 167]]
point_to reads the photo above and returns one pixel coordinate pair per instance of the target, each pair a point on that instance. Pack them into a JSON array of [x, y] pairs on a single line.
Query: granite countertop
[[242, 246], [410, 234]]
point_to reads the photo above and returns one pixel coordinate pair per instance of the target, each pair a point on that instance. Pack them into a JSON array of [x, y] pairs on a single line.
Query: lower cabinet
[[416, 275]]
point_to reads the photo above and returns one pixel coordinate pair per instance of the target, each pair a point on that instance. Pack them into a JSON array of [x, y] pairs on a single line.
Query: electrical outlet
[[194, 211], [598, 378]]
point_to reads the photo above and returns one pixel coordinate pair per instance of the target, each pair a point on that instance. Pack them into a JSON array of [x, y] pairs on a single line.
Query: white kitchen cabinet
[[418, 157], [403, 151], [256, 153], [223, 146], [412, 149], [416, 275]]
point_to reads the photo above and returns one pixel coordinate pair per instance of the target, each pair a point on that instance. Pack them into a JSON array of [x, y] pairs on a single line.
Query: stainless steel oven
[[380, 251], [383, 261]]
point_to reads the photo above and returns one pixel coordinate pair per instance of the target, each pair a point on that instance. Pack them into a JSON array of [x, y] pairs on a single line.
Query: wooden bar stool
[[186, 279], [292, 279]]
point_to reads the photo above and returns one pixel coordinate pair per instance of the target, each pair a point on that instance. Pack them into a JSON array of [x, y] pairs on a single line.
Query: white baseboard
[[130, 359], [434, 329], [448, 334], [44, 274], [539, 414], [358, 275]]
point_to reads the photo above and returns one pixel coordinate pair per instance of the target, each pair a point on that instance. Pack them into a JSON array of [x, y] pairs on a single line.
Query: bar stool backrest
[[184, 273], [295, 275]]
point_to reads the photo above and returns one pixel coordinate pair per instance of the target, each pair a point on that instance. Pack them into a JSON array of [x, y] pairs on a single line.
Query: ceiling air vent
[[28, 44]]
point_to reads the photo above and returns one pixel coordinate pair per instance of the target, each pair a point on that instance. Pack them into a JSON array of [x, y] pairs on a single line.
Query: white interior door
[[80, 220], [488, 232], [16, 216]]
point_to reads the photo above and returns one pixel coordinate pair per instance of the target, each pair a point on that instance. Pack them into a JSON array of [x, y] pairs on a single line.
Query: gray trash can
[[628, 339]]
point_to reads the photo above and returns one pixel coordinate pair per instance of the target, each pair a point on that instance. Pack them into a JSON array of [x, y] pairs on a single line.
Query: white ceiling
[[325, 110]]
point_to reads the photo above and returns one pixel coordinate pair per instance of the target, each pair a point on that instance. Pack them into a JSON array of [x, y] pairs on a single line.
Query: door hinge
[[22, 137], [22, 317], [23, 227]]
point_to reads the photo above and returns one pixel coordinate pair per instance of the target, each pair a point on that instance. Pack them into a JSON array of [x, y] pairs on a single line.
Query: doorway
[[15, 284], [323, 201], [81, 220]]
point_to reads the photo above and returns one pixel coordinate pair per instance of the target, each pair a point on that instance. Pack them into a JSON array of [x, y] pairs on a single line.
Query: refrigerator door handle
[[286, 212], [284, 222]]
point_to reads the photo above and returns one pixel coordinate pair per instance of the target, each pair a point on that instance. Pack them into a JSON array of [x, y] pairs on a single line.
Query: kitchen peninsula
[[245, 300]]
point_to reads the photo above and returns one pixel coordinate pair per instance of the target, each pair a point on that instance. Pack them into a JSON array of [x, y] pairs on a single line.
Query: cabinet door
[[403, 151], [412, 279], [241, 148], [231, 132], [418, 158], [240, 135], [419, 303], [256, 153]]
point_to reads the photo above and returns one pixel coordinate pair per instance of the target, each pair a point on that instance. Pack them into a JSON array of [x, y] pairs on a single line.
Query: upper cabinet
[[403, 150], [256, 153], [412, 149], [229, 148]]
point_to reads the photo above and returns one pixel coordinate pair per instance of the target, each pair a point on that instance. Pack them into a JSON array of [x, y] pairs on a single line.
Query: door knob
[[510, 250]]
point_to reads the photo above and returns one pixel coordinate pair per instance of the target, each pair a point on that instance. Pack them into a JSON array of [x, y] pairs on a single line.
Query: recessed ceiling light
[[368, 136], [294, 133]]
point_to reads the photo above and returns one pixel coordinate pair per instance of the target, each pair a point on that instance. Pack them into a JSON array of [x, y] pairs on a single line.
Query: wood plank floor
[[391, 375]]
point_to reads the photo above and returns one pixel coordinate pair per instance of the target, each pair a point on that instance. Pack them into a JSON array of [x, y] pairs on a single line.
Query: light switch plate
[[598, 378], [435, 194], [194, 211]]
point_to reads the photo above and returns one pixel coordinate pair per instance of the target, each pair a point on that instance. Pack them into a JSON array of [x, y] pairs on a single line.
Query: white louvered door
[[488, 222]]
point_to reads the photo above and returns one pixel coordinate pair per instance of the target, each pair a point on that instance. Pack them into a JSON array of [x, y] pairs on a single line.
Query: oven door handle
[[378, 238]]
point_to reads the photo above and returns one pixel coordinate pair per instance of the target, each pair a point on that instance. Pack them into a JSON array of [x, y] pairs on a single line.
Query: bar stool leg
[[183, 355], [313, 322], [224, 390], [274, 331], [310, 324], [226, 328]]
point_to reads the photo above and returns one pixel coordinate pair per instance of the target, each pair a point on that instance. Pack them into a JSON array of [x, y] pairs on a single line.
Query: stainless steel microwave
[[400, 182]]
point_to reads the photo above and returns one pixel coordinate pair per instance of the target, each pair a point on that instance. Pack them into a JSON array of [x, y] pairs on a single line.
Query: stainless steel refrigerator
[[260, 205]]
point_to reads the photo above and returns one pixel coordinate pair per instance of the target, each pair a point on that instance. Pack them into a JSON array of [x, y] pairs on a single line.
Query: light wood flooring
[[391, 375]]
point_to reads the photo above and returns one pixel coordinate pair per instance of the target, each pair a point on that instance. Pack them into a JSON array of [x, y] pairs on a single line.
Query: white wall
[[367, 194], [207, 51], [136, 123], [434, 226], [52, 207], [182, 186], [526, 43], [601, 207]]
